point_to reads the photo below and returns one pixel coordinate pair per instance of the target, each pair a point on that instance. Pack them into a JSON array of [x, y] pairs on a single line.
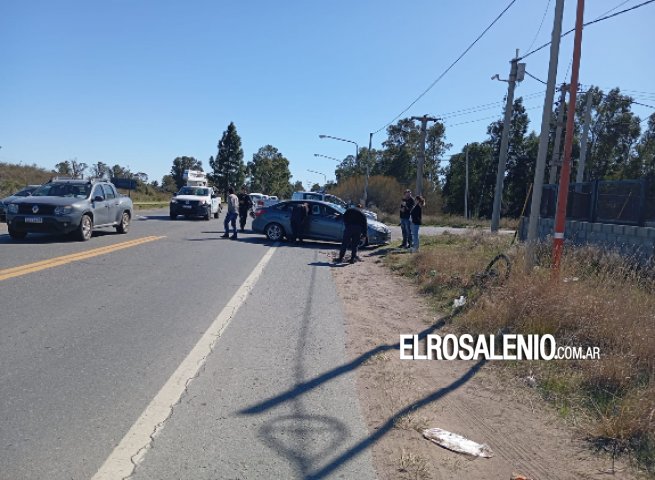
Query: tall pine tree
[[228, 167]]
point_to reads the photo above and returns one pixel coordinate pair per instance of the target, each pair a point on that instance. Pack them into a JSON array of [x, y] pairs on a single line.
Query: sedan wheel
[[274, 232]]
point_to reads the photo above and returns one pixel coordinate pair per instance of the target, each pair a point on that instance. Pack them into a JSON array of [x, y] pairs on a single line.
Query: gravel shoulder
[[401, 397]]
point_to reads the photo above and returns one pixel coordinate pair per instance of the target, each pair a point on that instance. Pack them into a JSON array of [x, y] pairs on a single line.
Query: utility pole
[[556, 161], [421, 152], [368, 166], [466, 185], [540, 167], [514, 76], [579, 176], [563, 192]]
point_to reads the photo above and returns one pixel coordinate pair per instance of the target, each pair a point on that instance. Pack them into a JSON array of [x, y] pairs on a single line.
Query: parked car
[[259, 200], [324, 223], [326, 197], [66, 205], [23, 192]]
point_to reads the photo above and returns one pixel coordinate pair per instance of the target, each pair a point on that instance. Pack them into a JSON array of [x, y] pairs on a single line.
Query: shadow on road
[[272, 430]]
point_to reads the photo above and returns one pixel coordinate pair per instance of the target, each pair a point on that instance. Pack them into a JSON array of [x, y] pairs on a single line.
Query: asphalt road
[[91, 342]]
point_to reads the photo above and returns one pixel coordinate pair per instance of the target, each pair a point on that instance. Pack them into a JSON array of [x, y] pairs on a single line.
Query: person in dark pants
[[406, 205], [299, 216], [355, 227], [231, 216], [245, 204], [417, 220]]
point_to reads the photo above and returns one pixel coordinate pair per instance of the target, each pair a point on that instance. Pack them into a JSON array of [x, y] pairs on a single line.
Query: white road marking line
[[134, 445]]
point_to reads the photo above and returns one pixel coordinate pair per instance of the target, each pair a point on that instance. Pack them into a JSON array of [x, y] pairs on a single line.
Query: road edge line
[[131, 450]]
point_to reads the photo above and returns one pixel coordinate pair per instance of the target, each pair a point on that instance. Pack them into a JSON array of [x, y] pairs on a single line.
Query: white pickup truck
[[196, 198]]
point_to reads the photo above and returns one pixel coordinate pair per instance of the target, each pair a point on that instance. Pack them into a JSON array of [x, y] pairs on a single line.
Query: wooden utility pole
[[563, 192], [421, 152], [556, 161], [579, 176]]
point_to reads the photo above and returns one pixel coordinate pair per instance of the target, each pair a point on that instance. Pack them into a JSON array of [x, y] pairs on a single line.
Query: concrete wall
[[628, 240]]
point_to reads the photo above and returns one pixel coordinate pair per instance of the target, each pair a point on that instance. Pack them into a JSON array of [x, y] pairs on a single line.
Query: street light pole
[[356, 157], [324, 176]]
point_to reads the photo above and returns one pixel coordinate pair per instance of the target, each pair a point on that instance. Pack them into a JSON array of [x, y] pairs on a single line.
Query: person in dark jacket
[[416, 216], [245, 204], [406, 205], [299, 216], [356, 226]]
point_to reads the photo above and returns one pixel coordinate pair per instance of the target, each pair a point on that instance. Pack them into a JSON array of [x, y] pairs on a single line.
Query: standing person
[[245, 204], [356, 227], [406, 205], [299, 216], [231, 216], [417, 218]]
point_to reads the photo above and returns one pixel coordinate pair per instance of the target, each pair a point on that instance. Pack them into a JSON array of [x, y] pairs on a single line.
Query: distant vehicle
[[66, 205], [326, 197], [23, 192], [259, 200], [196, 199], [324, 223]]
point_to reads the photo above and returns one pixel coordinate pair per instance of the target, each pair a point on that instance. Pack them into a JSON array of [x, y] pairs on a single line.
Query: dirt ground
[[399, 398]]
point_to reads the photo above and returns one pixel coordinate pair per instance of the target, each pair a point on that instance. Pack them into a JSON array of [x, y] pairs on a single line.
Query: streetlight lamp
[[325, 156], [324, 176], [356, 161]]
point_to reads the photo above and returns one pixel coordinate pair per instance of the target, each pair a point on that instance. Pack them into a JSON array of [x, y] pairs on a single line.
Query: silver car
[[324, 223], [24, 192]]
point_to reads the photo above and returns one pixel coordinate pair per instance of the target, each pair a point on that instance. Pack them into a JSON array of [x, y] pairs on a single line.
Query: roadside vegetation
[[601, 300]]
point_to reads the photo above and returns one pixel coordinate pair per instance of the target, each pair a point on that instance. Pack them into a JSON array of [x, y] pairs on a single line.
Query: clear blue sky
[[140, 82]]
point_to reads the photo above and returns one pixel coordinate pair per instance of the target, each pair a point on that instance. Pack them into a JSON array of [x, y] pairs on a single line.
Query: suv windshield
[[77, 190], [201, 192]]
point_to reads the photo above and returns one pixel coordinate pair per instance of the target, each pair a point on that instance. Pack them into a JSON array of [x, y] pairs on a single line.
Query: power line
[[443, 74], [606, 17], [487, 118], [540, 25], [535, 78], [486, 106]]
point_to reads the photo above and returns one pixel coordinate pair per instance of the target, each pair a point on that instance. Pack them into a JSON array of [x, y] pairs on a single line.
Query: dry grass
[[413, 466], [602, 300]]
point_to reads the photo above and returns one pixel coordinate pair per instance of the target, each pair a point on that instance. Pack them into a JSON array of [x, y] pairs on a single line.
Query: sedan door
[[325, 223]]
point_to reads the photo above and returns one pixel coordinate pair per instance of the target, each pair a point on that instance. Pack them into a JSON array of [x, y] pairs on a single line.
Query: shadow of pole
[[388, 425], [304, 387]]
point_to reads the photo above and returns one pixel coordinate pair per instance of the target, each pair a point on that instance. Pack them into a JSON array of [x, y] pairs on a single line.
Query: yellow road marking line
[[74, 257]]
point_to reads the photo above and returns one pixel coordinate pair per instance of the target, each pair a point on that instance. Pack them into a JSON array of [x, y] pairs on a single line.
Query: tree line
[[621, 145]]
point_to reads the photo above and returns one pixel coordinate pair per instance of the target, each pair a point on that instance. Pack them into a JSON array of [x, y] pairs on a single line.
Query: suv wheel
[[16, 234], [124, 226], [85, 229]]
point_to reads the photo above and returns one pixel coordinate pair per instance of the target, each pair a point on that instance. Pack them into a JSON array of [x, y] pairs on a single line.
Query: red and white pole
[[565, 174]]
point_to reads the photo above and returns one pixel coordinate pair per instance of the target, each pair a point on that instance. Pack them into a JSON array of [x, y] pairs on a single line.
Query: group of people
[[238, 206], [411, 218], [355, 224]]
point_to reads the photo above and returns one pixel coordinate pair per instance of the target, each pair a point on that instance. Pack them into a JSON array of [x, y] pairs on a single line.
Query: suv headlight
[[67, 210], [173, 201], [12, 208]]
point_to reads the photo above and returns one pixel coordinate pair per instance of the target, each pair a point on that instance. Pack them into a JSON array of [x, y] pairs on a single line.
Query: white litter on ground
[[457, 443], [459, 302]]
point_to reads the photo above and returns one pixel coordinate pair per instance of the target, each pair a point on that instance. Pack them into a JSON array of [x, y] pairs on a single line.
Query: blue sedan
[[324, 223]]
